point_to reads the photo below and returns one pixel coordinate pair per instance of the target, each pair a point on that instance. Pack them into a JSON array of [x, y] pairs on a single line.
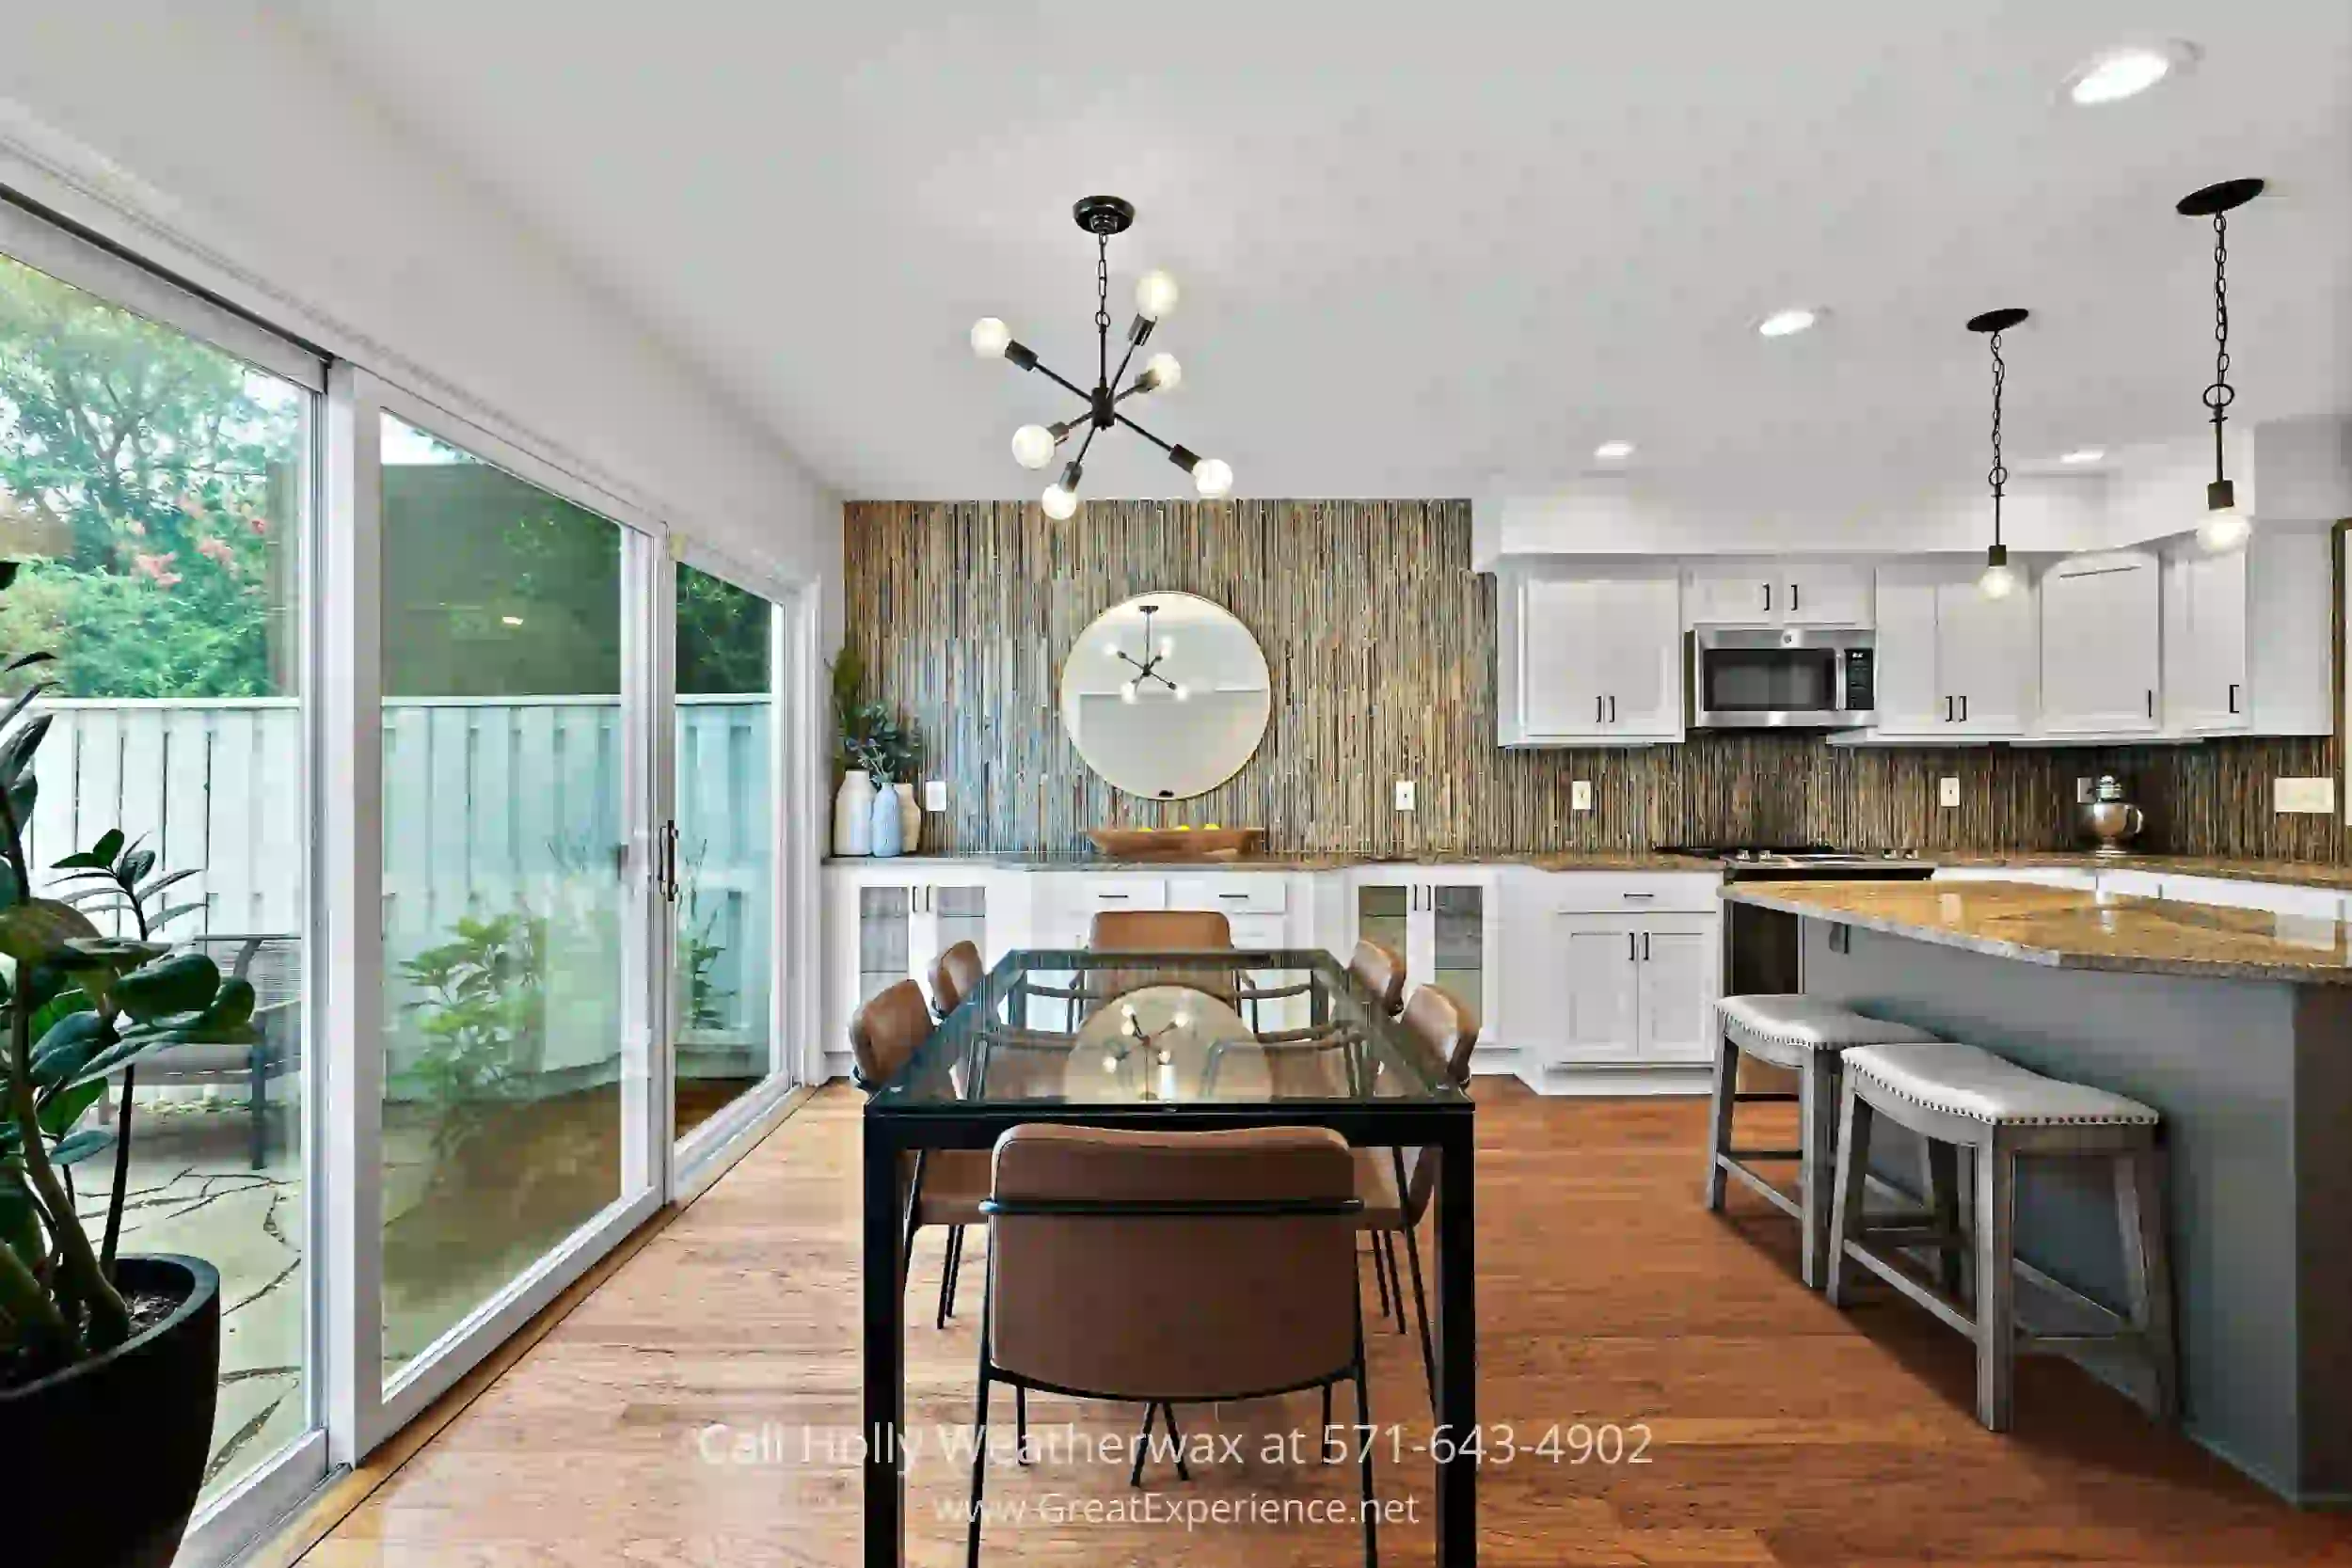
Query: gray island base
[[2237, 1026]]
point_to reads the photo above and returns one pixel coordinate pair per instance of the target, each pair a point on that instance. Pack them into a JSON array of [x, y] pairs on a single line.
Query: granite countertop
[[2062, 929], [2293, 873], [1598, 860]]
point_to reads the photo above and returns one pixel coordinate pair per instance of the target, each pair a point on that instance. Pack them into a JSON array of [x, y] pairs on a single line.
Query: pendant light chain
[[2221, 394], [1998, 474], [1102, 304]]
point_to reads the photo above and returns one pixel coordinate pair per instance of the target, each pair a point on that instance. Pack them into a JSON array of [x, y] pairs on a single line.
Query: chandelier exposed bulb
[[1033, 446], [989, 338], [2224, 528], [1127, 692], [1156, 295], [1213, 477], [1161, 374], [1999, 581], [1060, 504], [1183, 692]]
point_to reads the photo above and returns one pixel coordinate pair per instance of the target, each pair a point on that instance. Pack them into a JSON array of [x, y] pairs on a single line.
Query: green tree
[[156, 474]]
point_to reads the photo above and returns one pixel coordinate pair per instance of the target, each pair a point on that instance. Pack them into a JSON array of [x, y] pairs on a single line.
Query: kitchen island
[[2237, 1025]]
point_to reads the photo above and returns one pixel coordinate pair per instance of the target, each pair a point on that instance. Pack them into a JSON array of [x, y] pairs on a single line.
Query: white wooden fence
[[490, 804]]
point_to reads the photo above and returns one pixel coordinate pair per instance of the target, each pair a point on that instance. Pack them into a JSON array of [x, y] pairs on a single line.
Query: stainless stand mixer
[[2107, 822]]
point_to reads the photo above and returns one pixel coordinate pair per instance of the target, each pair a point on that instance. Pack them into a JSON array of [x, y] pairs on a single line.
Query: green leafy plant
[[698, 956], [870, 736], [483, 1015], [79, 1005]]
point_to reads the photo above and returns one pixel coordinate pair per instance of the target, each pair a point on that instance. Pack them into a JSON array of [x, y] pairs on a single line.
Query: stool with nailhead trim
[[1964, 1096], [1802, 1035]]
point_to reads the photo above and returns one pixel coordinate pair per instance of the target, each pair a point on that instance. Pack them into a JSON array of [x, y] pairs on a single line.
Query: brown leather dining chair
[[955, 975], [1382, 971], [1160, 931], [1171, 1268], [1397, 1184], [944, 1186]]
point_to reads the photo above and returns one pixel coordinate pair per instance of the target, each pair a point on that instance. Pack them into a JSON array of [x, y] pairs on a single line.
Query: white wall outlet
[[1580, 795], [935, 795], [2083, 787], [1948, 792], [2303, 795], [1405, 795]]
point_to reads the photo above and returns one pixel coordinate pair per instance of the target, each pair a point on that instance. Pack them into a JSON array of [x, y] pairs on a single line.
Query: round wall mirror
[[1165, 695]]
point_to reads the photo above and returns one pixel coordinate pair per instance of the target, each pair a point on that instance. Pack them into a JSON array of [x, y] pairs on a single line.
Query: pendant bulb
[[1999, 579]]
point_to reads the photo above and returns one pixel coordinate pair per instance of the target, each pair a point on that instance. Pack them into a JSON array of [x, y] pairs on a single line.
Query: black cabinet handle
[[2233, 696], [1600, 707], [1963, 708], [1645, 947], [1794, 598], [1113, 897], [1613, 709], [2152, 702], [1243, 896], [1768, 598], [1947, 710], [1632, 948]]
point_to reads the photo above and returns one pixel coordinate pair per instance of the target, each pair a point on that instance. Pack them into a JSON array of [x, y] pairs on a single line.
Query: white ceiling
[[1427, 250]]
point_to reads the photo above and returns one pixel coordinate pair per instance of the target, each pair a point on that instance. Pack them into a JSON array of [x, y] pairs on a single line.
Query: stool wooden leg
[[1726, 1085], [1818, 1118], [1997, 1283], [2148, 1271], [1853, 1169], [1943, 1203]]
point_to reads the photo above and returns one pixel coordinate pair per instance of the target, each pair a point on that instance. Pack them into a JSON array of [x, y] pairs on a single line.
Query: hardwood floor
[[1781, 1430]]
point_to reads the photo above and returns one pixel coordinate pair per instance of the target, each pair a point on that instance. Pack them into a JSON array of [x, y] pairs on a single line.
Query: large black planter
[[105, 1458]]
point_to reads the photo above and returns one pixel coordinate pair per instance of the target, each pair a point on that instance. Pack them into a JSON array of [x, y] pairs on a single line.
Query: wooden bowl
[[1176, 844]]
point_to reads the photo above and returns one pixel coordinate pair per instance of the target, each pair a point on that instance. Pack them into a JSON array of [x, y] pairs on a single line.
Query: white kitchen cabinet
[[2101, 639], [2070, 877], [1629, 990], [2246, 640], [890, 923], [1443, 920], [1590, 662], [1952, 664], [1780, 594]]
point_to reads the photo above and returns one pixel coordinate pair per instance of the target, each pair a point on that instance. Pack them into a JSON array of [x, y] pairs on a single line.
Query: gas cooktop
[[1802, 860]]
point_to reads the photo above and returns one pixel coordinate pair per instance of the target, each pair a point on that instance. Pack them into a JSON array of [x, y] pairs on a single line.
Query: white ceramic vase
[[910, 818], [853, 814]]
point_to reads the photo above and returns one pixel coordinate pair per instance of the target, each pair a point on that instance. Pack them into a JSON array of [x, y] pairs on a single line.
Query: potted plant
[[878, 756], [107, 1360]]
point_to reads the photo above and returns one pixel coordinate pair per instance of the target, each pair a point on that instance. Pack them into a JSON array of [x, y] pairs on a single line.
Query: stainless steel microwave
[[1791, 677]]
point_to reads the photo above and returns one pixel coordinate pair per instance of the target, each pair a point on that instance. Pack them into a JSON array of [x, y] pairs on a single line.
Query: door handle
[[1645, 947], [2152, 702], [1963, 708], [1794, 598], [1600, 708], [1768, 598], [1613, 709], [1112, 897], [1947, 710], [1632, 948], [2233, 696], [669, 861]]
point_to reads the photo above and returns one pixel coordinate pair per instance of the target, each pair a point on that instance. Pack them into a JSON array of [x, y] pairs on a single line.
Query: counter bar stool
[[1965, 1096], [1802, 1035]]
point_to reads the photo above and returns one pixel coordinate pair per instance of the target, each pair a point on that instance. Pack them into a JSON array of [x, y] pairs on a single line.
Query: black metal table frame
[[1442, 1125]]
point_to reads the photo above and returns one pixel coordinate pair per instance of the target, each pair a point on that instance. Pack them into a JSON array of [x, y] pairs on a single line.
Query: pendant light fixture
[[1998, 581], [2225, 527], [1034, 445]]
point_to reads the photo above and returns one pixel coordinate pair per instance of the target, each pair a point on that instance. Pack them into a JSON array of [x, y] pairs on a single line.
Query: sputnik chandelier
[[1034, 445]]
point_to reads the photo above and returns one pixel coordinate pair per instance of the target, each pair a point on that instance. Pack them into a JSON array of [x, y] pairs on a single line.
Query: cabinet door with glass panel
[[904, 925], [1440, 919]]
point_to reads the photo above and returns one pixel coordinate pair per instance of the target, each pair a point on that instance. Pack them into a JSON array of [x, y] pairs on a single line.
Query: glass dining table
[[1190, 1040]]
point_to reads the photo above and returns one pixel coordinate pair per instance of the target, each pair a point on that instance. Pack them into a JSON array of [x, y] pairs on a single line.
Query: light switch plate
[[1405, 795], [935, 795], [2303, 795], [1580, 795], [1948, 792], [2083, 787]]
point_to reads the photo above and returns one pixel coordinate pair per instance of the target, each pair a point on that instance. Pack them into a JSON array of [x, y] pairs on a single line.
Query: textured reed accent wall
[[1381, 644]]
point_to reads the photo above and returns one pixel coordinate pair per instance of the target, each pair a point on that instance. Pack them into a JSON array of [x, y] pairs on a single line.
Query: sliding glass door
[[156, 483], [725, 772]]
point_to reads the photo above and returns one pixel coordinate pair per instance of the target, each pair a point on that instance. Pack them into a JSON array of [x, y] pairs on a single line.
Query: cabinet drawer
[[1236, 895], [1259, 931], [1602, 893], [1091, 894]]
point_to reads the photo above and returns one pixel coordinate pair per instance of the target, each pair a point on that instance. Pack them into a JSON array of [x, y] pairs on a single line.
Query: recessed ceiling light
[[1610, 452], [1780, 324], [2128, 71], [2084, 454]]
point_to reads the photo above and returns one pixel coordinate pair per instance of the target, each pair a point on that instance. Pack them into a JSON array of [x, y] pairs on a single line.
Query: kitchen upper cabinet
[[1952, 664], [1591, 661], [2246, 635], [1780, 594], [2101, 641]]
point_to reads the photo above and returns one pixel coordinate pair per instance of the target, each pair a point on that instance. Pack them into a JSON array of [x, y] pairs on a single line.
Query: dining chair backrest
[[1096, 1287], [956, 976], [1382, 971], [886, 1031], [1447, 1026], [1160, 931]]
